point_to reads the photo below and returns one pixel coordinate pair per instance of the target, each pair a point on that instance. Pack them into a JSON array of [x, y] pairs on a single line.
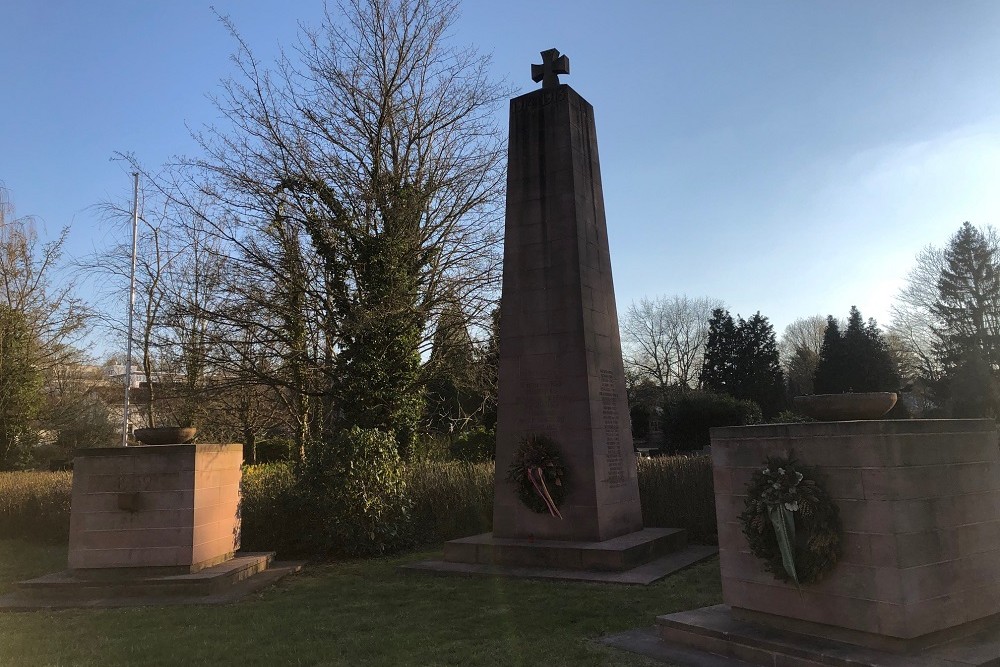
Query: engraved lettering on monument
[[609, 405]]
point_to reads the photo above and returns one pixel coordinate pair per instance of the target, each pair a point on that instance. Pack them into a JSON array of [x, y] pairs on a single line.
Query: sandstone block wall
[[920, 505], [160, 506]]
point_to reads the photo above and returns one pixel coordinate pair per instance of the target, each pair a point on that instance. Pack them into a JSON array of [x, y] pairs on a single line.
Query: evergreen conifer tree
[[829, 378], [718, 371], [968, 304], [760, 376], [968, 327], [857, 360], [741, 360]]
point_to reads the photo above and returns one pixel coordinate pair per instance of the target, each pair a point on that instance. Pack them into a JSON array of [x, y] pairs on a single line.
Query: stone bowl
[[845, 407], [165, 435]]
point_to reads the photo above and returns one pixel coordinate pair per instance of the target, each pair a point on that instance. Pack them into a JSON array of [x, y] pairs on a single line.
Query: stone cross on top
[[552, 66]]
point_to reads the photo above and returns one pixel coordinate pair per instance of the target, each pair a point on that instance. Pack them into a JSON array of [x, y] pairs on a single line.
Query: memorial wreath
[[790, 522], [538, 474]]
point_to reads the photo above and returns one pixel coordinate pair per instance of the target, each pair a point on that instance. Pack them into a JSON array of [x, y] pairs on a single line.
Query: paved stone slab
[[646, 641], [642, 575]]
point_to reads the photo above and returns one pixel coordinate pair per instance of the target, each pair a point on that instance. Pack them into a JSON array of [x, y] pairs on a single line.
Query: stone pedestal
[[155, 524], [920, 505], [159, 507]]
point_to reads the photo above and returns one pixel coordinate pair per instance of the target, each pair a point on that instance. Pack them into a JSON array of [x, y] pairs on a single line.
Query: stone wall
[[161, 506], [920, 505]]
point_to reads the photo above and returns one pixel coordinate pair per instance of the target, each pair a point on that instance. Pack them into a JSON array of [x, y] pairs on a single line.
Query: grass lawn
[[351, 613]]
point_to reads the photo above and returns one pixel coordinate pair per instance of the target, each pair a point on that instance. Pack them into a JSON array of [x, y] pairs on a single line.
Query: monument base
[[219, 584], [641, 557], [713, 633]]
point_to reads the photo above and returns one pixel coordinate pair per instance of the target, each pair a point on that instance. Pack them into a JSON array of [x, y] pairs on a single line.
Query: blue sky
[[789, 157]]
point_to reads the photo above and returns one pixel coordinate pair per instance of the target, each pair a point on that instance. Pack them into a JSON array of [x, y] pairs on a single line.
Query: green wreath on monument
[[790, 522], [539, 474]]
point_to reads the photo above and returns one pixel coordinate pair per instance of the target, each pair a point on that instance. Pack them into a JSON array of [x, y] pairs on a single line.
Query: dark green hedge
[[421, 504], [688, 417]]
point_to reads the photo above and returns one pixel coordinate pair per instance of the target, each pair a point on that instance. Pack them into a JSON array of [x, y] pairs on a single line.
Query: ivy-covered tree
[[741, 360], [39, 322], [857, 360], [20, 390], [373, 163]]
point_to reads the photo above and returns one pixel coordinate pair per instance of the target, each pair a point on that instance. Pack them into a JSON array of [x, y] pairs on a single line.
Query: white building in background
[[116, 373]]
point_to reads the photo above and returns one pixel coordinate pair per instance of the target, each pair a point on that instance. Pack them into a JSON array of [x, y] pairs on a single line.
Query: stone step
[[715, 631], [643, 575], [617, 554], [209, 581]]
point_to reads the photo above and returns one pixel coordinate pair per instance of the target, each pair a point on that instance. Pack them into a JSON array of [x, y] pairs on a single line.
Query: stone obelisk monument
[[561, 375], [561, 371]]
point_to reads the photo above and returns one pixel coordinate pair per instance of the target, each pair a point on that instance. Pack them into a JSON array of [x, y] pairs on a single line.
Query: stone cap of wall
[[137, 450], [873, 427]]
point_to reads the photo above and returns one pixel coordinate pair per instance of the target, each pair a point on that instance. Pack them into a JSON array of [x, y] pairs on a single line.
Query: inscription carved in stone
[[536, 101], [609, 406]]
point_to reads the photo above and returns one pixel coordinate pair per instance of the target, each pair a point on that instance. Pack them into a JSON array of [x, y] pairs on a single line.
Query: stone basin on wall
[[166, 435], [845, 407]]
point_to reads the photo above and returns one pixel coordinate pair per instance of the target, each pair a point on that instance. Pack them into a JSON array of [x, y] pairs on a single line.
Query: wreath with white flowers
[[790, 522], [538, 474]]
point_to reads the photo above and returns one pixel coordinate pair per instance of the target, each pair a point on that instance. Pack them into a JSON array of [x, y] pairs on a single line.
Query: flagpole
[[131, 307]]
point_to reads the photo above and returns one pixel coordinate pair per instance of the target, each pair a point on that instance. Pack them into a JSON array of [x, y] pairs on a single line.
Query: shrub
[[790, 417], [268, 508], [677, 492], [450, 500], [640, 416], [352, 497], [35, 505], [688, 417], [475, 446], [429, 447], [274, 450], [285, 510]]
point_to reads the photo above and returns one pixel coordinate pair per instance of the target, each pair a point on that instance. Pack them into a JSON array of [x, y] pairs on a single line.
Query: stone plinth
[[561, 369], [154, 509], [615, 555], [920, 506]]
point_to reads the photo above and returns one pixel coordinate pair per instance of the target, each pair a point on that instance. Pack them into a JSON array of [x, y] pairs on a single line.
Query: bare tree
[[664, 338], [805, 332], [799, 351], [160, 245], [912, 324]]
